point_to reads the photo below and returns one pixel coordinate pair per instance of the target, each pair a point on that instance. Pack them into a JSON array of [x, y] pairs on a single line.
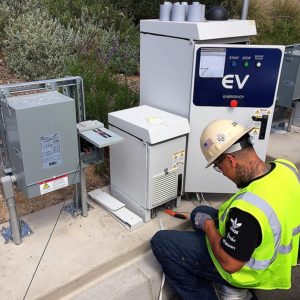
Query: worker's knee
[[158, 239], [158, 244]]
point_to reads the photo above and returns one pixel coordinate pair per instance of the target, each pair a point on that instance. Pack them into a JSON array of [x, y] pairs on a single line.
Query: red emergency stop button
[[233, 103]]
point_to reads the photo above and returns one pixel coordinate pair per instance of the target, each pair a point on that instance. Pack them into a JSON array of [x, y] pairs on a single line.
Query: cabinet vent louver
[[165, 187]]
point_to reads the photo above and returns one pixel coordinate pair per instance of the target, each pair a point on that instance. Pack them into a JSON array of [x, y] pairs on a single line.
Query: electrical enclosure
[[289, 84], [42, 142], [147, 168], [206, 71]]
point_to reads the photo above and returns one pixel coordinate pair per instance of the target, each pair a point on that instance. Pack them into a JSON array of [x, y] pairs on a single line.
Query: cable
[[161, 225], [161, 286], [206, 201], [77, 169], [43, 252]]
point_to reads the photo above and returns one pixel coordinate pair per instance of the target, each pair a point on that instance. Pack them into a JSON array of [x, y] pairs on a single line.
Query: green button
[[246, 64]]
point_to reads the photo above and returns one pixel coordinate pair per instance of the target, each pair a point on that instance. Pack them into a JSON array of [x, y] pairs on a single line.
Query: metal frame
[[69, 86]]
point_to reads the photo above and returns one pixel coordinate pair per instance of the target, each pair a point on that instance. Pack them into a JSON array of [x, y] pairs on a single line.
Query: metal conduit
[[245, 8]]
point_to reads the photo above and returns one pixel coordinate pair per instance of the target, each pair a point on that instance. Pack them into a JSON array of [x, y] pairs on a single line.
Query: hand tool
[[176, 214]]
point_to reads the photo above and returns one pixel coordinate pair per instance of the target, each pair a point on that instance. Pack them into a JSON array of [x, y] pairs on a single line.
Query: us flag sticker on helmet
[[208, 143]]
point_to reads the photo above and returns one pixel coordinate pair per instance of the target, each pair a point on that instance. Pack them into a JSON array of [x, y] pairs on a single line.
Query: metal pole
[[8, 193], [84, 205], [244, 15], [292, 116]]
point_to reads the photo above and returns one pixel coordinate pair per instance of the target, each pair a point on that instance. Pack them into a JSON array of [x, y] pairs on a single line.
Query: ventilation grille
[[165, 187]]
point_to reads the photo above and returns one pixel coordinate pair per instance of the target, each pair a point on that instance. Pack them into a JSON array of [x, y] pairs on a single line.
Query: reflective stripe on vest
[[296, 230], [274, 225], [291, 168], [287, 249]]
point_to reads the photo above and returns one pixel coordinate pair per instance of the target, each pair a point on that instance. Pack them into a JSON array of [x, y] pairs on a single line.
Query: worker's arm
[[234, 248], [227, 262]]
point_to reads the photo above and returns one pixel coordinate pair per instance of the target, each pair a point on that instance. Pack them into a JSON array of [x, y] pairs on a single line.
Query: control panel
[[236, 76]]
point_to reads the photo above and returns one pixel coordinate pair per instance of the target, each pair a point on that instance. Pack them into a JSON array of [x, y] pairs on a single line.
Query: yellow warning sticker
[[178, 159], [53, 184]]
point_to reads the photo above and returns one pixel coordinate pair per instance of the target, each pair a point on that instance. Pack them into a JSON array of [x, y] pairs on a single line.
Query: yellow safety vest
[[274, 200]]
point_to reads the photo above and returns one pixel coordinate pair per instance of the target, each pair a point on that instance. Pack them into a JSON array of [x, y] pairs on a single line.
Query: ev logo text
[[228, 81]]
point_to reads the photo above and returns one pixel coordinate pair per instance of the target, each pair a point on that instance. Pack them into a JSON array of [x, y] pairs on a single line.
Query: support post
[[84, 205], [8, 193]]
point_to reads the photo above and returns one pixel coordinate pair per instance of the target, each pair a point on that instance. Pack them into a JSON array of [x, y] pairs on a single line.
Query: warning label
[[53, 184], [51, 150], [178, 159]]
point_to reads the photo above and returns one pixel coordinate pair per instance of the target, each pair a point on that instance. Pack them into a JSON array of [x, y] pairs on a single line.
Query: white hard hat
[[218, 137]]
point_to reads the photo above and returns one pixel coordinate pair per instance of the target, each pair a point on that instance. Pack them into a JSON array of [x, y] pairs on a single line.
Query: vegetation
[[104, 93], [97, 39], [37, 46], [277, 21]]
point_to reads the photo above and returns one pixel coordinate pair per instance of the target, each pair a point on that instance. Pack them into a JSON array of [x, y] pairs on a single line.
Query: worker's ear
[[231, 159]]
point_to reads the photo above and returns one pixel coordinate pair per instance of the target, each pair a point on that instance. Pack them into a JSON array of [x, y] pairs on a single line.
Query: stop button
[[233, 103]]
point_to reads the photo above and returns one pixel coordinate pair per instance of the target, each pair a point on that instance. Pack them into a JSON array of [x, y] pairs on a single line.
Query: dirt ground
[[26, 206]]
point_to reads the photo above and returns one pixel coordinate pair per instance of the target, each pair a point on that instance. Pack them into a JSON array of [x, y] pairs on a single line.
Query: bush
[[285, 15], [4, 17], [37, 46], [103, 92], [278, 22], [103, 29], [102, 13]]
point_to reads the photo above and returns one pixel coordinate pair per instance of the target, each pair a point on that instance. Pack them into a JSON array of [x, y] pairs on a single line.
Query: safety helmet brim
[[233, 141]]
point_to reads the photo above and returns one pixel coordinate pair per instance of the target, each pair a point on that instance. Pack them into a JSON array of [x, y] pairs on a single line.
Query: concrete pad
[[81, 252], [18, 263]]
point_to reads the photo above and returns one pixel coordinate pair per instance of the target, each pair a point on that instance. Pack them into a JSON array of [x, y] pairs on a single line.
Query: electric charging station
[[205, 71]]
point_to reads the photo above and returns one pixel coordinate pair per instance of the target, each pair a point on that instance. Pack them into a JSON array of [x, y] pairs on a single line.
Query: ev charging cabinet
[[205, 71], [147, 168]]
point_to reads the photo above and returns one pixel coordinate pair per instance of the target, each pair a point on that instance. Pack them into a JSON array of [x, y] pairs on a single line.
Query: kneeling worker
[[252, 241]]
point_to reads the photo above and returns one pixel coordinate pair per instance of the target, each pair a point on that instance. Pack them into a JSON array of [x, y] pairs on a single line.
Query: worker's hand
[[200, 219]]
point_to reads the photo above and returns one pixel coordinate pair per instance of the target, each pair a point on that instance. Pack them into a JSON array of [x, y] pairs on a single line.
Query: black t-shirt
[[242, 234]]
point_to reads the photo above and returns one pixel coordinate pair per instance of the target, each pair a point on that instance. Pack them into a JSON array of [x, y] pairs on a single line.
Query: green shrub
[[103, 29], [101, 12], [11, 9], [4, 17], [277, 22], [285, 15], [37, 46], [103, 92]]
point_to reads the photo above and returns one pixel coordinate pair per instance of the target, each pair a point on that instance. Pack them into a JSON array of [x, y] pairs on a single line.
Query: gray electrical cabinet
[[289, 84], [41, 139]]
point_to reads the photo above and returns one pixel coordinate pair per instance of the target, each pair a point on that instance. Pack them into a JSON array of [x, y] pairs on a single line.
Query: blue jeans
[[185, 260]]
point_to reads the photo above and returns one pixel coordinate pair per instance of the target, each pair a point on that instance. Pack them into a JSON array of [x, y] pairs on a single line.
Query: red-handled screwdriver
[[176, 214]]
